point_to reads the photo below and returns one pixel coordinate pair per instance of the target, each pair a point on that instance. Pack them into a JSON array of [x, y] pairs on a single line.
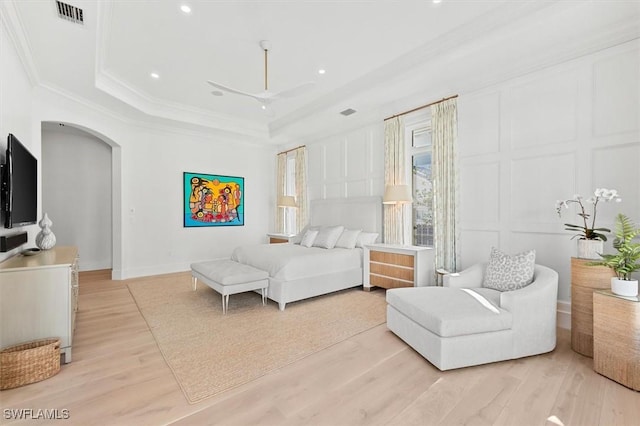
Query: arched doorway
[[81, 192]]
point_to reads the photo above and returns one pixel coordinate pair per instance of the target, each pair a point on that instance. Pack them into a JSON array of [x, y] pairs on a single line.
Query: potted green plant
[[627, 260], [590, 239]]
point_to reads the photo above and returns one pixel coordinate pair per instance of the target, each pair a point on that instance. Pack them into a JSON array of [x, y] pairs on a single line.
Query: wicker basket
[[29, 362]]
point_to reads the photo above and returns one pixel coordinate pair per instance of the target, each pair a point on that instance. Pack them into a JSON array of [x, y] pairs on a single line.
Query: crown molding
[[114, 86], [111, 85], [11, 19], [409, 76], [180, 128], [435, 49], [490, 33]]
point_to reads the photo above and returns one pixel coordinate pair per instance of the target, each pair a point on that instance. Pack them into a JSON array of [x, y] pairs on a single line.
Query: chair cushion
[[447, 312], [490, 294], [505, 273], [228, 272]]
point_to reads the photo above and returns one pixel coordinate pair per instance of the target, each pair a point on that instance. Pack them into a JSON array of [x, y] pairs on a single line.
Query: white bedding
[[287, 262]]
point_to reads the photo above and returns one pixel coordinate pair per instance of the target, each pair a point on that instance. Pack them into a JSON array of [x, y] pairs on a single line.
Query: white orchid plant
[[586, 231]]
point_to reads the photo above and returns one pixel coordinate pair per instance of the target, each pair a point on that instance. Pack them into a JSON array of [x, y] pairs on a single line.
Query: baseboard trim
[[564, 314], [100, 274]]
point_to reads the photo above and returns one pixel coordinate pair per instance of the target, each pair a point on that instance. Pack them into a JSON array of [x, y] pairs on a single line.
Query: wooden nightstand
[[275, 238], [391, 266], [616, 337]]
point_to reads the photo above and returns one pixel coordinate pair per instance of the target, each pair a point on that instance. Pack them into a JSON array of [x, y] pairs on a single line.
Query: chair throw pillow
[[506, 273]]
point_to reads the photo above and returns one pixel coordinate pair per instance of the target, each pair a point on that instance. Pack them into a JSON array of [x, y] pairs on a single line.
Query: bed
[[297, 272]]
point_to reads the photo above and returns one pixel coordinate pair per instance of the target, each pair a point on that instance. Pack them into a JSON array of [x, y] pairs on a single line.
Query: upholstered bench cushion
[[228, 272], [447, 312]]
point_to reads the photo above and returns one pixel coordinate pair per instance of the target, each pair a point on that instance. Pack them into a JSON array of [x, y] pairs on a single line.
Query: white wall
[[76, 192], [149, 208], [523, 144], [149, 159], [15, 117], [347, 165], [528, 142]]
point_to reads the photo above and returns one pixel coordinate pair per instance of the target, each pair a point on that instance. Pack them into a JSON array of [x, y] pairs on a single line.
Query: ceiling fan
[[266, 97]]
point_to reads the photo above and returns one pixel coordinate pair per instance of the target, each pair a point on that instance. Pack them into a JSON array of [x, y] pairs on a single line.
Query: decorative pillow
[[505, 273], [349, 238], [328, 236], [297, 239], [309, 237], [366, 238]]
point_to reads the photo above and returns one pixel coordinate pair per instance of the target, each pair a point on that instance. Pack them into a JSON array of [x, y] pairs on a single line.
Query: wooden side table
[[616, 337], [584, 280]]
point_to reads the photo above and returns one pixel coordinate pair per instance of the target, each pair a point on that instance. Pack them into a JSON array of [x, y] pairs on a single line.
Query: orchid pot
[[590, 249]]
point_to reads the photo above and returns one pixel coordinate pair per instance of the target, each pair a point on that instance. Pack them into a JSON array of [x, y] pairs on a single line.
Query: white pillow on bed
[[349, 238], [328, 236], [309, 237], [297, 239], [366, 238]]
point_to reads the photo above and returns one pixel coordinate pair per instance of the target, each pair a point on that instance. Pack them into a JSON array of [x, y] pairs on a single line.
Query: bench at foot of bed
[[228, 277]]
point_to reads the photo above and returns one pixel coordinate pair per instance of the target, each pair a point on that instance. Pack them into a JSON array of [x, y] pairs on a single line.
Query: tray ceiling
[[378, 55]]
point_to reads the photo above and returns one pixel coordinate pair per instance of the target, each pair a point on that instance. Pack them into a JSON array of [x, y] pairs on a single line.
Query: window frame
[[419, 121]]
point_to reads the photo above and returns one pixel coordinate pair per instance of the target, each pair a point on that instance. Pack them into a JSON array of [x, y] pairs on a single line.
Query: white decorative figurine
[[45, 239]]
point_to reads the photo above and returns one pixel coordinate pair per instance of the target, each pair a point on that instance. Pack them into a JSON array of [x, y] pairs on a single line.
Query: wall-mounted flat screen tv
[[19, 185]]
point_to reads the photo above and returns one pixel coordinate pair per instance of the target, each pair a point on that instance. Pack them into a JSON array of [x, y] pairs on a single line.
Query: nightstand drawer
[[391, 258], [273, 240], [384, 282], [391, 271]]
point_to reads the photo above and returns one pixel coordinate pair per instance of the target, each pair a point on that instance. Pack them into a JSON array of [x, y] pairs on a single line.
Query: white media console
[[39, 297]]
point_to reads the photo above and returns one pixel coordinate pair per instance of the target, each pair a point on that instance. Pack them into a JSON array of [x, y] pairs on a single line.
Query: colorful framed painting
[[213, 200]]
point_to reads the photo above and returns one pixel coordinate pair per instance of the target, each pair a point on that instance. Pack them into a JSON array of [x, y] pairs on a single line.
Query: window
[[419, 154]]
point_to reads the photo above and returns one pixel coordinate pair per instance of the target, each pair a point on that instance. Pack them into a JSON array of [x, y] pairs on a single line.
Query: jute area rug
[[209, 352]]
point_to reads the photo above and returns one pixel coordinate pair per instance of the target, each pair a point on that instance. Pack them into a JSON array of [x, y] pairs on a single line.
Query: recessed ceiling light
[[436, 1], [264, 107], [155, 75], [185, 8], [321, 71]]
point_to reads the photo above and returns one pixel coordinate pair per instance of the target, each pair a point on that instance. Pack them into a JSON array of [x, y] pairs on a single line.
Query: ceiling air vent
[[348, 111], [70, 13]]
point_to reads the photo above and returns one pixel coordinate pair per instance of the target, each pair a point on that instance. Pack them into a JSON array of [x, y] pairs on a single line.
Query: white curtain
[[302, 212], [444, 134], [280, 189], [394, 174]]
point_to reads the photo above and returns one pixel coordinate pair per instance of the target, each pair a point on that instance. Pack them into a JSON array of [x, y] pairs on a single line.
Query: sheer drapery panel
[[444, 134], [394, 174]]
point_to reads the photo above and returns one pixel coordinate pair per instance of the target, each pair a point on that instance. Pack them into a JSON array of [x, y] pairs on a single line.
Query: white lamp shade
[[287, 201], [397, 194]]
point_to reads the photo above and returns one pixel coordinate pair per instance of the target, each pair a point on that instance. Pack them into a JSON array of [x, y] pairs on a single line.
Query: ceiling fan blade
[[294, 91], [230, 90]]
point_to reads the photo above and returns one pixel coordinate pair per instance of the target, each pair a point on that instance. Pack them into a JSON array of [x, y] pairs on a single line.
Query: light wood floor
[[118, 377]]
